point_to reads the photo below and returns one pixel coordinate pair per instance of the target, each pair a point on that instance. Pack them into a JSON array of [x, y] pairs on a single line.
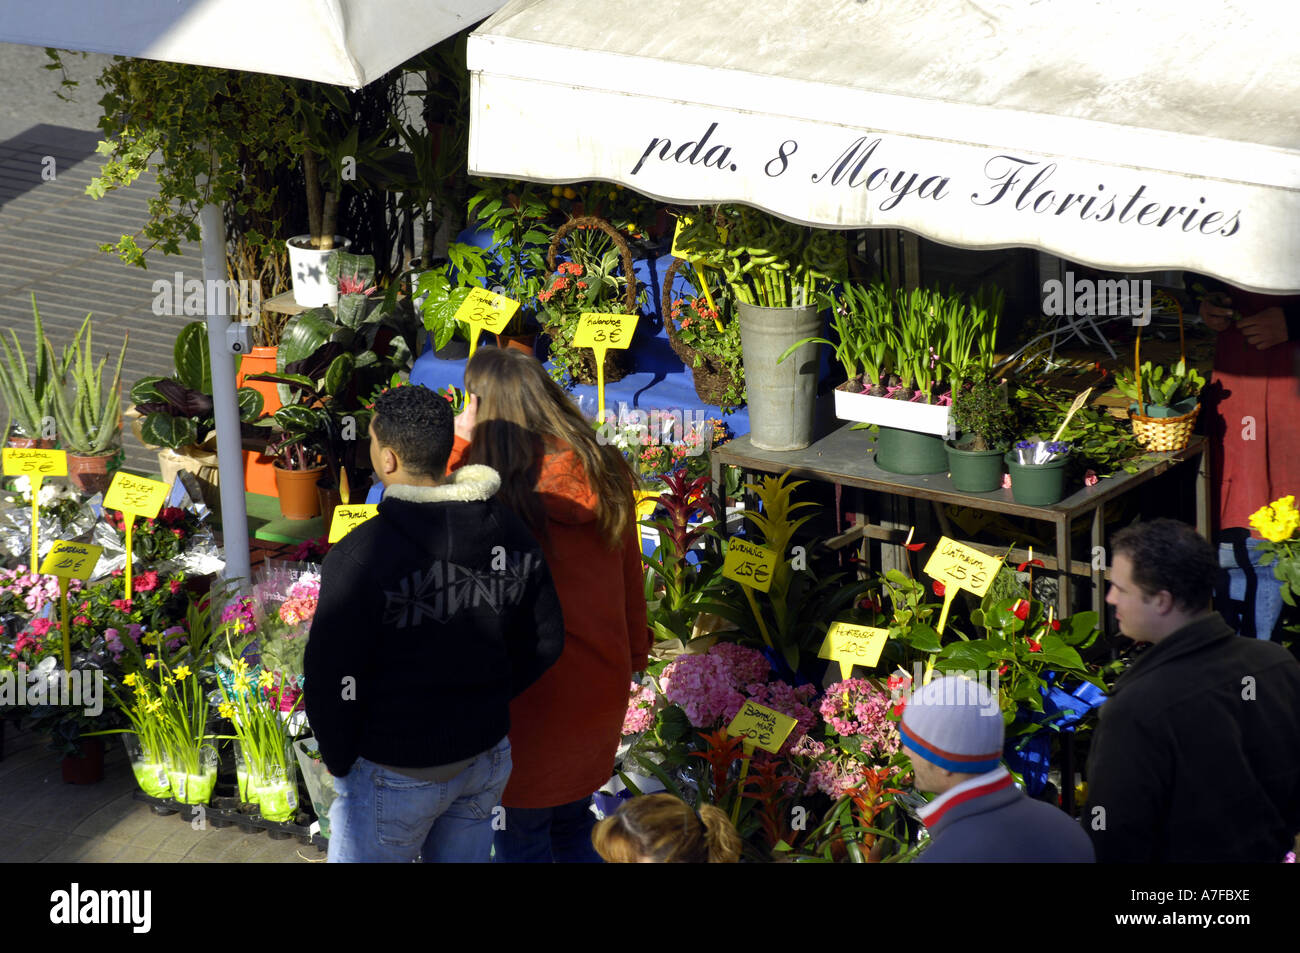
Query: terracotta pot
[[259, 470], [88, 768], [519, 342], [92, 474], [329, 497], [297, 492], [28, 443]]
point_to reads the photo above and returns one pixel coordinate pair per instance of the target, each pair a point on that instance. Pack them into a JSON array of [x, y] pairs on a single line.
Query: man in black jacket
[[433, 615], [1196, 757]]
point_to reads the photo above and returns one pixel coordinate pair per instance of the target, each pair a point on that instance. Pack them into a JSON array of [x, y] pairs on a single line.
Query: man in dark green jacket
[[1196, 757]]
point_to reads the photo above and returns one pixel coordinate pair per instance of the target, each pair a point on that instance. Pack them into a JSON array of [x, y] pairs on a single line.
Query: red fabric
[[1252, 408], [565, 729]]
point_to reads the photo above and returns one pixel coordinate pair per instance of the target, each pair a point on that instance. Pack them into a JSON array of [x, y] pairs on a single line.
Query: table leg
[[1063, 566], [1204, 519], [1098, 562]]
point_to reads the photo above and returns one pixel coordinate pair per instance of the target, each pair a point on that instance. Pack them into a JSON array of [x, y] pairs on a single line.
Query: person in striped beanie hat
[[952, 729]]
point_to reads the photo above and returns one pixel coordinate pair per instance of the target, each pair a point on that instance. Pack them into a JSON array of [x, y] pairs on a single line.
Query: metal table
[[843, 457]]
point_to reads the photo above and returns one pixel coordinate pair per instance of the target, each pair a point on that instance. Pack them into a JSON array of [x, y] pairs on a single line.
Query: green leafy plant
[[1098, 440], [980, 411], [444, 288], [515, 214], [1168, 387], [91, 420], [711, 332], [178, 410], [677, 592]]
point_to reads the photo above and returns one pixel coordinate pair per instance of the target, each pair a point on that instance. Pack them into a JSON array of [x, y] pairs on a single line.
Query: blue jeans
[[381, 816], [1248, 595], [542, 835]]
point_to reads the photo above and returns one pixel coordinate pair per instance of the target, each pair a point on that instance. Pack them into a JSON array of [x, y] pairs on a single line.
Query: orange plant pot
[[297, 491], [259, 470]]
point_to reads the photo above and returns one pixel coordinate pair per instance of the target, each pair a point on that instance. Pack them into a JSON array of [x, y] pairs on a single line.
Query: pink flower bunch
[[640, 709], [835, 779], [306, 588], [294, 611], [856, 707], [35, 590], [788, 700], [746, 665], [704, 687], [240, 609], [808, 747]]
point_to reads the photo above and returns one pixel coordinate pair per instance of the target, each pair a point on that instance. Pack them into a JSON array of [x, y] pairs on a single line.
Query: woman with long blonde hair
[[664, 829], [576, 495]]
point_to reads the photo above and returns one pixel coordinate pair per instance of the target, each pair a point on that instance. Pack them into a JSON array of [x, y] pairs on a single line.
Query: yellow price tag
[[749, 565], [646, 501], [487, 310], [677, 250], [958, 566], [601, 331], [71, 560], [761, 726], [348, 518], [852, 645], [22, 461], [136, 494]]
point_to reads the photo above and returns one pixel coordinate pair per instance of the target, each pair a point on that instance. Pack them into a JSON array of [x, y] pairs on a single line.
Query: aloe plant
[[28, 388], [1161, 386], [90, 420]]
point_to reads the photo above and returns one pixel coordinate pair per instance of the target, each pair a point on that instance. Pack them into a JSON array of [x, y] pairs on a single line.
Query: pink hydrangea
[[856, 707], [746, 665], [702, 685], [788, 700], [808, 747], [640, 709], [834, 779]]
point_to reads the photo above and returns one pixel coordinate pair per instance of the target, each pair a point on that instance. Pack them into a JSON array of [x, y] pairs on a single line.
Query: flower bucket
[[149, 768], [975, 471], [277, 792], [1037, 484], [194, 787], [782, 397], [910, 452], [320, 783], [312, 285]]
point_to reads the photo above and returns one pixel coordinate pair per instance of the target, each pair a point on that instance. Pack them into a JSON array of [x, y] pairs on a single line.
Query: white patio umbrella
[[1128, 134], [343, 42]]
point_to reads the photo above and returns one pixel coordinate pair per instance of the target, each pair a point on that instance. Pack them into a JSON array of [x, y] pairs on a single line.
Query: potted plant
[[587, 282], [985, 425], [90, 420], [1038, 471], [776, 270], [28, 389], [176, 413], [704, 332], [1165, 402]]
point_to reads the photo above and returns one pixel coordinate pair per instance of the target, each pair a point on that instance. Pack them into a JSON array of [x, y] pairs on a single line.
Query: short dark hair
[[1169, 554], [416, 424]]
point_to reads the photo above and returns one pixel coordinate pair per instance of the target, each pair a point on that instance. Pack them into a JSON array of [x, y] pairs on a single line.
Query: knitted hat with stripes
[[956, 723]]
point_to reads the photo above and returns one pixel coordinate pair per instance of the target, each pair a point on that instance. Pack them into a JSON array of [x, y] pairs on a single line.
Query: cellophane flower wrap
[[283, 603]]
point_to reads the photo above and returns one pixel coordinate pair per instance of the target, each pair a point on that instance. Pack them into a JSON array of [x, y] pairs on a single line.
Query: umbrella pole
[[230, 457]]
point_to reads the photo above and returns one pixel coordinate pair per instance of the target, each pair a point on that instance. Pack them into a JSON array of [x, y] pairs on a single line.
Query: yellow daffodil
[[151, 638], [154, 705], [241, 684], [241, 665], [150, 662], [265, 680], [227, 710], [129, 679], [182, 672]]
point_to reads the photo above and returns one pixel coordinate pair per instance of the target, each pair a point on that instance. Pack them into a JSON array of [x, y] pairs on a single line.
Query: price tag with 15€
[[749, 565], [959, 566]]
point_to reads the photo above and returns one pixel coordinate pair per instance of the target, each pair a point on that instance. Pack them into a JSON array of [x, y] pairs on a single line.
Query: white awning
[[1131, 136], [344, 42]]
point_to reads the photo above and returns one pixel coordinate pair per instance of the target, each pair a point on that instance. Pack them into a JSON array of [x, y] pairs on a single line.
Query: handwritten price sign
[[487, 310], [136, 494], [853, 645], [601, 331], [749, 565], [35, 463], [958, 566], [71, 560], [348, 518], [761, 726]]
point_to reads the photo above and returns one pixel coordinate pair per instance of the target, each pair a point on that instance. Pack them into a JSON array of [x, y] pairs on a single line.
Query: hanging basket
[[1161, 434], [616, 361], [713, 378]]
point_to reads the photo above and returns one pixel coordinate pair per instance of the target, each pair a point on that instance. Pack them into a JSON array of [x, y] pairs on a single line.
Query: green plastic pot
[[906, 451], [975, 471], [1037, 484]]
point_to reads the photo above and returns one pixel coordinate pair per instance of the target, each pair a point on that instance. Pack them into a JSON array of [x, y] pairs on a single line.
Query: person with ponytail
[[576, 496], [664, 829]]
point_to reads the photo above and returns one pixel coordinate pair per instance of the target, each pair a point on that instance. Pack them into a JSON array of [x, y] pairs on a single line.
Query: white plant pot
[[902, 414], [312, 285]]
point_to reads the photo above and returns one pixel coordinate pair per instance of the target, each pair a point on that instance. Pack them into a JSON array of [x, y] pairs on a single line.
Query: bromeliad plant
[[677, 592]]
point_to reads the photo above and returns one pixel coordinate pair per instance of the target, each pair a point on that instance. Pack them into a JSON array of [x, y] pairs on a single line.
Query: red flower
[[122, 605], [145, 582], [898, 686], [1021, 610], [1003, 669], [118, 572], [915, 547], [1029, 562], [938, 587], [1056, 625], [179, 534], [1034, 646], [172, 515], [81, 620], [872, 604], [175, 586]]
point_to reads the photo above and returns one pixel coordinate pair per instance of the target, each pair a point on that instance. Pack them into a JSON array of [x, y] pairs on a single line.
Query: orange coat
[[565, 729]]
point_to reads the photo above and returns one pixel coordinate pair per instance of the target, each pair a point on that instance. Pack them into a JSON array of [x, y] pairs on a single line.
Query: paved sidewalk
[[42, 819]]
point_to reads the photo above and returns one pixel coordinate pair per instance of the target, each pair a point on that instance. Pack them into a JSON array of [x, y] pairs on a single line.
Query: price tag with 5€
[[761, 726], [19, 461], [71, 560], [348, 518], [749, 565], [136, 494], [487, 309], [852, 645], [600, 331]]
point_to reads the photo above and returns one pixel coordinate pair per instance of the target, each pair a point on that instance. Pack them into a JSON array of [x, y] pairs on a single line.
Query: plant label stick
[[485, 310], [757, 725], [134, 496], [69, 560], [1074, 409], [36, 465], [958, 566], [600, 332], [851, 645]]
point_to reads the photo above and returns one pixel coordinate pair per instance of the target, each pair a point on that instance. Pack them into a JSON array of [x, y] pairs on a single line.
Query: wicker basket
[[1161, 434], [712, 377], [617, 362]]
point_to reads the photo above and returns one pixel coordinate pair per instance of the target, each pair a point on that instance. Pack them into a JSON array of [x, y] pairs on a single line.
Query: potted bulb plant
[[90, 419], [985, 425]]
